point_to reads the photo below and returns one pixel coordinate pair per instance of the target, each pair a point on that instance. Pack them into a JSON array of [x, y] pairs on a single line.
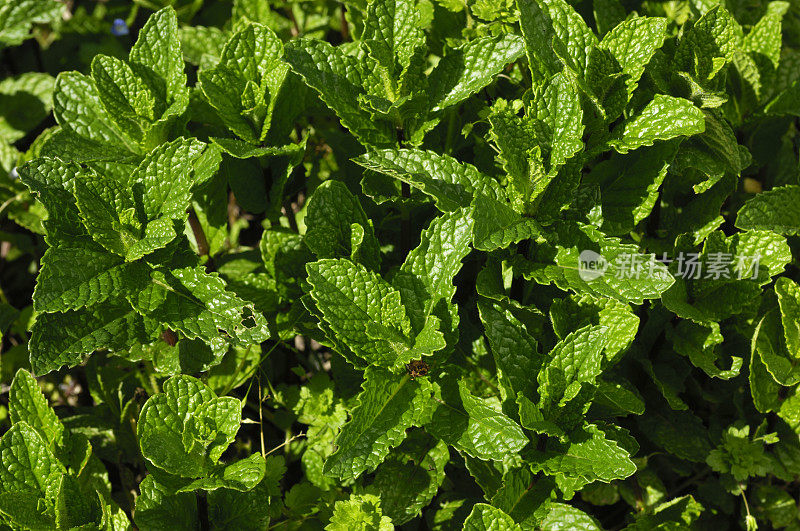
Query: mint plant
[[399, 264], [17, 18], [380, 86]]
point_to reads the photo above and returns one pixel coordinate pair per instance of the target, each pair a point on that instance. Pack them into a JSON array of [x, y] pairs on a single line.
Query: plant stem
[[202, 511], [405, 209], [203, 249], [345, 29], [451, 130], [199, 234]]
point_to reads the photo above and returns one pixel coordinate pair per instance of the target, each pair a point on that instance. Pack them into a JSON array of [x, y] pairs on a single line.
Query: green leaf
[[74, 507], [331, 213], [633, 43], [425, 279], [470, 67], [160, 509], [708, 45], [771, 249], [484, 517], [17, 17], [248, 511], [574, 361], [28, 464], [340, 81], [769, 343], [559, 116], [134, 218], [739, 283], [26, 100], [523, 496], [485, 474], [387, 406], [578, 311], [714, 152], [763, 387], [59, 339], [253, 10], [516, 138], [619, 396], [788, 293], [764, 39], [392, 34], [23, 508], [285, 256], [515, 350], [348, 296], [202, 44], [77, 276], [199, 305], [158, 52], [663, 118], [125, 95], [534, 147], [452, 184], [108, 212], [79, 111], [474, 425], [566, 517], [699, 343], [774, 210], [555, 37], [589, 454], [404, 482], [65, 145], [741, 454], [678, 432], [621, 272], [26, 403], [679, 512], [165, 178], [242, 475], [629, 185], [185, 429], [242, 150], [361, 511], [608, 14], [776, 504], [497, 225], [53, 183], [250, 61]]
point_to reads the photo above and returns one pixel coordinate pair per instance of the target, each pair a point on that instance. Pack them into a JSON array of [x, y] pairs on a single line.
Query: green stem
[[451, 130]]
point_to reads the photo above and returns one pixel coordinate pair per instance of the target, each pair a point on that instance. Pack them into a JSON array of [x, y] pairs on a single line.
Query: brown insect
[[417, 368]]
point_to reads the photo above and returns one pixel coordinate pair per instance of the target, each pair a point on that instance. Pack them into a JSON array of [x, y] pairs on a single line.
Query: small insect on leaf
[[417, 368]]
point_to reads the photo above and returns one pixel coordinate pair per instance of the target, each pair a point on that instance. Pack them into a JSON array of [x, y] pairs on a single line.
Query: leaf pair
[[118, 268], [454, 185], [557, 40], [245, 85], [775, 354], [387, 324], [124, 109], [49, 477], [379, 85], [497, 225], [566, 59], [183, 432]]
